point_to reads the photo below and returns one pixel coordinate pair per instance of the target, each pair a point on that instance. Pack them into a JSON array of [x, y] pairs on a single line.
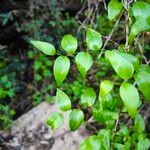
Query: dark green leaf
[[130, 97], [75, 119], [93, 39], [121, 65], [63, 100], [69, 43], [114, 9], [91, 143], [55, 120], [88, 97], [61, 69], [143, 81], [84, 62], [104, 136], [45, 47]]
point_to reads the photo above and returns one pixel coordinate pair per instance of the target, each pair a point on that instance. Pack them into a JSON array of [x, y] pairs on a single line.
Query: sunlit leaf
[[69, 43], [105, 87], [104, 136], [143, 81], [130, 97], [75, 119], [93, 39], [139, 124], [84, 62], [143, 144], [45, 47], [122, 66], [114, 9], [61, 69], [63, 100], [91, 143], [88, 97], [141, 12], [55, 120]]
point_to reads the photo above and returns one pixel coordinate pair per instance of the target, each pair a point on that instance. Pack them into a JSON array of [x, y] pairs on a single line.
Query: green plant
[[122, 89]]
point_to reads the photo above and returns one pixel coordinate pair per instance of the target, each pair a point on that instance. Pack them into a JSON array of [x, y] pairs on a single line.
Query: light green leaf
[[84, 62], [75, 119], [132, 59], [69, 44], [103, 115], [91, 143], [141, 12], [45, 47], [130, 97], [139, 124], [55, 120], [143, 81], [114, 9], [124, 131], [104, 136], [63, 100], [143, 144], [106, 87], [121, 65], [88, 97], [61, 69], [93, 39]]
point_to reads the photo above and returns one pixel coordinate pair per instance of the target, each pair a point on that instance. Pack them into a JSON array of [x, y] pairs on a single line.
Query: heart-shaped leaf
[[69, 44], [61, 69], [88, 97], [143, 81], [114, 9], [63, 100], [84, 62], [122, 66], [55, 120], [75, 119], [45, 47], [130, 97], [91, 143], [93, 39]]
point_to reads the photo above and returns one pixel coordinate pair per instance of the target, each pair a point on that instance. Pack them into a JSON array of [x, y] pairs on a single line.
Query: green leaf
[[141, 13], [143, 144], [63, 100], [103, 115], [124, 131], [45, 47], [139, 124], [143, 81], [91, 143], [93, 39], [75, 119], [106, 87], [61, 69], [121, 65], [114, 9], [84, 62], [132, 59], [104, 136], [69, 44], [55, 120], [88, 97], [130, 97]]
